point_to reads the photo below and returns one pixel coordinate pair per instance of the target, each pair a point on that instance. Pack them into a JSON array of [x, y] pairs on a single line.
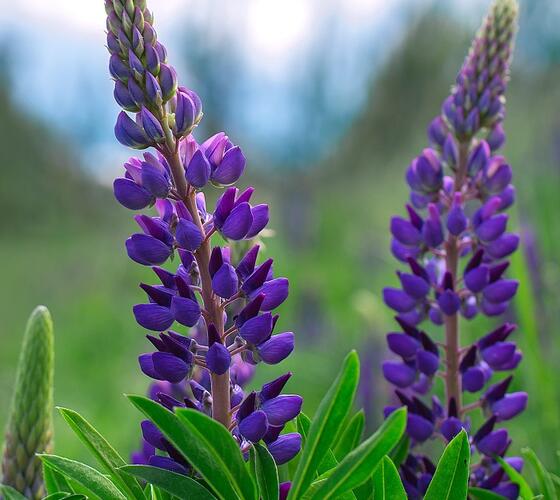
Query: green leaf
[[327, 423], [92, 480], [194, 447], [217, 438], [524, 489], [400, 452], [303, 425], [104, 453], [62, 495], [8, 493], [482, 494], [543, 476], [351, 436], [358, 465], [178, 485], [265, 471], [365, 490], [387, 484], [451, 478], [54, 481]]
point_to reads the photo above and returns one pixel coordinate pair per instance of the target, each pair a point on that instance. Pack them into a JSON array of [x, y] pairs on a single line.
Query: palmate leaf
[[387, 484], [451, 478], [359, 465], [89, 478], [543, 476], [178, 485], [330, 416], [265, 472], [524, 489], [209, 449], [350, 436], [105, 454]]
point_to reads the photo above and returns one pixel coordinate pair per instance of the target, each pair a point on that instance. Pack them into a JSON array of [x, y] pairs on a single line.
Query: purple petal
[[230, 168], [225, 281], [257, 329], [153, 316], [188, 235], [405, 232], [254, 427], [500, 291], [403, 345], [218, 358], [198, 170], [185, 311], [477, 278], [274, 388], [418, 427], [494, 443], [168, 464], [275, 293], [131, 195], [277, 348], [155, 180], [510, 405], [398, 374], [282, 409], [169, 367], [260, 220], [398, 300], [238, 222], [428, 362], [147, 250], [285, 448]]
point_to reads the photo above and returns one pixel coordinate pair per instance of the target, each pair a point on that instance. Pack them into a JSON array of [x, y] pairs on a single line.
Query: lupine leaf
[[451, 478], [543, 476], [351, 436], [327, 423], [91, 479], [525, 491], [265, 471], [482, 494], [330, 461], [8, 493], [365, 490], [178, 485], [65, 496], [400, 452], [54, 481], [387, 484], [191, 445], [105, 454], [358, 465], [217, 438]]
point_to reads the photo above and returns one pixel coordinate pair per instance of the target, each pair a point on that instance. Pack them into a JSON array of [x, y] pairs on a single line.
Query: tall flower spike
[[225, 297], [455, 242], [29, 429]]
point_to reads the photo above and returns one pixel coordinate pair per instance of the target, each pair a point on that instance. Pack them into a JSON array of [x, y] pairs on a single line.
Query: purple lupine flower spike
[[455, 240], [226, 302]]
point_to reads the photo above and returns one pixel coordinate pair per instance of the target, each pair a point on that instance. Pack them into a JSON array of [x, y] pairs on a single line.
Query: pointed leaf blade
[[329, 418], [179, 486], [350, 436], [451, 478], [104, 453], [387, 484], [91, 479], [266, 472], [525, 491], [359, 465]]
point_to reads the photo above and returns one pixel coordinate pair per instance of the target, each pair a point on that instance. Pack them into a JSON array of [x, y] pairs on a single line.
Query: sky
[[59, 64]]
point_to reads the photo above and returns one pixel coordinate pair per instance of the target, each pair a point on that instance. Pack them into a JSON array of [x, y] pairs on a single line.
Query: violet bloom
[[227, 301], [455, 244]]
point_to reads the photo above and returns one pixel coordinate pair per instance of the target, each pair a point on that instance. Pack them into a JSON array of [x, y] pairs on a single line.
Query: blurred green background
[[328, 141]]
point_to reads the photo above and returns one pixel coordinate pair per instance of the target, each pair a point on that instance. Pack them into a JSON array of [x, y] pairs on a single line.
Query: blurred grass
[[62, 246]]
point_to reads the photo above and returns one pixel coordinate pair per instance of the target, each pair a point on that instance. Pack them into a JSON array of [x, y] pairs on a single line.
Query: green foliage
[[55, 482], [399, 453], [29, 428], [8, 493], [351, 435], [96, 484], [303, 425], [525, 491], [387, 482], [264, 470], [214, 456], [451, 478], [104, 453], [327, 424], [178, 485], [544, 479], [482, 494], [358, 465]]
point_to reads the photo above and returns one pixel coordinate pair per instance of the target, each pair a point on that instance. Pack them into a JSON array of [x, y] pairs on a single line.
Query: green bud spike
[[29, 429]]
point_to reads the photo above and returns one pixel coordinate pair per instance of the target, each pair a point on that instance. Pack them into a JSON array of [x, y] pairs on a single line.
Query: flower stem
[[452, 343], [220, 383]]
